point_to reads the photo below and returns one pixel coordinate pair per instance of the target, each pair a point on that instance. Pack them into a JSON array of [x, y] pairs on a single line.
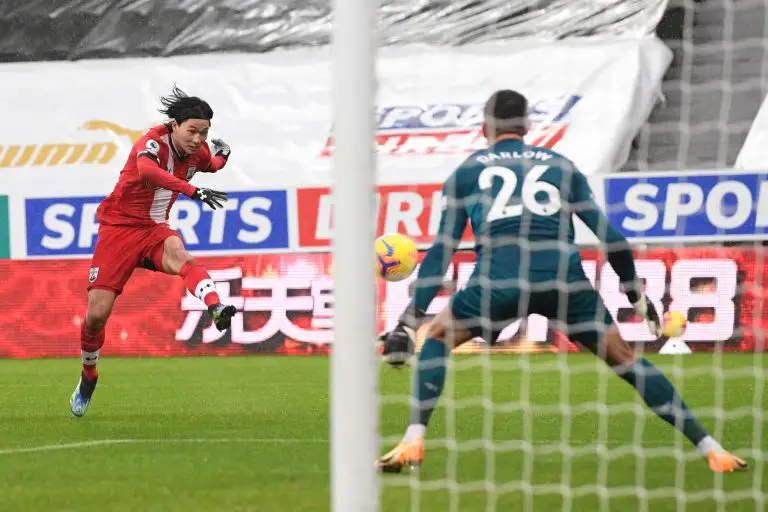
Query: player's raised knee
[[100, 304], [175, 255]]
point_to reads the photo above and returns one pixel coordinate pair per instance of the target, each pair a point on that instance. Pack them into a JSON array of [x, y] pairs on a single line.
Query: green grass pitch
[[251, 434]]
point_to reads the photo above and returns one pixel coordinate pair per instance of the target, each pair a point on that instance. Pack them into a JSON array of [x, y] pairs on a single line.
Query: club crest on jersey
[[191, 172], [153, 147], [93, 274]]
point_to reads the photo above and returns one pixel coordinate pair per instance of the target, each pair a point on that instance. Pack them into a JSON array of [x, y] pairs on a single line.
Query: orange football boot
[[404, 454], [724, 462]]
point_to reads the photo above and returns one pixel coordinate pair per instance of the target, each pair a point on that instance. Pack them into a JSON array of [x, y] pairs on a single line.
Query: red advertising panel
[[285, 304], [412, 210]]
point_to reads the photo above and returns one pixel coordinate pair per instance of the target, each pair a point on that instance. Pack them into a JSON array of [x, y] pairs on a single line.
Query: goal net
[[653, 102]]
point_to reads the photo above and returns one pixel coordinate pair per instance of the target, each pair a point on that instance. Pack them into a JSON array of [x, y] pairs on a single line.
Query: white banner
[[754, 153], [69, 125]]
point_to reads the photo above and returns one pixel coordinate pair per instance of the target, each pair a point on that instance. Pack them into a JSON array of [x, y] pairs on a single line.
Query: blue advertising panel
[[686, 207], [67, 226]]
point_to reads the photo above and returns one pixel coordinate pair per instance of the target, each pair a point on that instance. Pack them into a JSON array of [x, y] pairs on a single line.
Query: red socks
[[90, 347], [199, 283]]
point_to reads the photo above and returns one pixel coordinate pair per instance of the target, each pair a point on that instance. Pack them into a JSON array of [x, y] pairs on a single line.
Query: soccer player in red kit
[[133, 224]]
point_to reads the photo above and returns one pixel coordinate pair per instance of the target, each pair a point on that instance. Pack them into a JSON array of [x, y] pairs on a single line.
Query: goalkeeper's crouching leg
[[662, 398], [444, 334]]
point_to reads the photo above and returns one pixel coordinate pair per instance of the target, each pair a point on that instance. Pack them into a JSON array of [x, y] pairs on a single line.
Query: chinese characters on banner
[[285, 305]]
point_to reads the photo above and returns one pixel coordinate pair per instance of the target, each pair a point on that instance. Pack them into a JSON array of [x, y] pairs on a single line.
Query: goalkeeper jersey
[[519, 201]]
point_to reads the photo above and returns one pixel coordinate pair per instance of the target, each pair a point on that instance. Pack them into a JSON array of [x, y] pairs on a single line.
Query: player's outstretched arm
[[399, 344], [152, 173], [220, 151], [617, 249]]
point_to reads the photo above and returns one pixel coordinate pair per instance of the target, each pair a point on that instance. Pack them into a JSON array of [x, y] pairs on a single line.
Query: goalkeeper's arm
[[616, 247], [453, 222], [400, 343]]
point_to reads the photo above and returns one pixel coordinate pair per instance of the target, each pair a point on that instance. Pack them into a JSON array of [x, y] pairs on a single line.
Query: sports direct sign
[[688, 207], [285, 305], [412, 210], [67, 226], [457, 128], [665, 207]]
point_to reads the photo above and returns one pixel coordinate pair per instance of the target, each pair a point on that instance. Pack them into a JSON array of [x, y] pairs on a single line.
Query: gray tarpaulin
[[702, 124], [78, 29]]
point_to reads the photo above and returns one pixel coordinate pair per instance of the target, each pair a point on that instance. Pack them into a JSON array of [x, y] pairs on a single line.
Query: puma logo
[[98, 124], [76, 152]]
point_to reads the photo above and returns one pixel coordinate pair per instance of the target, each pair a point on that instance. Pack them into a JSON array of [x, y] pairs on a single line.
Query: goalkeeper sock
[[199, 283], [708, 444], [429, 380], [90, 348], [415, 432], [661, 397]]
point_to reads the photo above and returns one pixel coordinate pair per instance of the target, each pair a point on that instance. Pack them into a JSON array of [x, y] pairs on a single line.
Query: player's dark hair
[[506, 111], [181, 107]]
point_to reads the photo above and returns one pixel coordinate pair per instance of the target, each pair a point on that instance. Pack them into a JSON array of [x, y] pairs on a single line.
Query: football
[[396, 257], [674, 324]]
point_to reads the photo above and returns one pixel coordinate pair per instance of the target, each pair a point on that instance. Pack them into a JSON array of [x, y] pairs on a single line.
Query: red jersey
[[152, 179]]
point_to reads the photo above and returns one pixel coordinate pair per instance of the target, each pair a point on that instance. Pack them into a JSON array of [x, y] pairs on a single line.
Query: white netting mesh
[[532, 424]]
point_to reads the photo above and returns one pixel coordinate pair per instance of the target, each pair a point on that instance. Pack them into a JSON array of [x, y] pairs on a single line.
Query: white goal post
[[354, 364]]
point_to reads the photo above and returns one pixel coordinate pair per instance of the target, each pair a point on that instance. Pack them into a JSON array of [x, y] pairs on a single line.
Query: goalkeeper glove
[[212, 198], [400, 343], [220, 148], [644, 308]]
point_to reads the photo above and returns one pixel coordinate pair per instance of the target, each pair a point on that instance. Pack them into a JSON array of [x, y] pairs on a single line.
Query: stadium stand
[[712, 90]]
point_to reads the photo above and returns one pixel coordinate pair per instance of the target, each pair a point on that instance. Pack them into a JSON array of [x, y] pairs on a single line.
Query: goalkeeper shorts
[[575, 307]]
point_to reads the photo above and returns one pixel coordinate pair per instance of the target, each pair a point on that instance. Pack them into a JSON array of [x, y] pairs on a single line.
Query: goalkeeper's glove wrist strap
[[413, 317], [633, 290]]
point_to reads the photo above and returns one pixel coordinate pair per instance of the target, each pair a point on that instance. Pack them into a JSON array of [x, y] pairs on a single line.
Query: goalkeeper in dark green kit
[[520, 201]]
